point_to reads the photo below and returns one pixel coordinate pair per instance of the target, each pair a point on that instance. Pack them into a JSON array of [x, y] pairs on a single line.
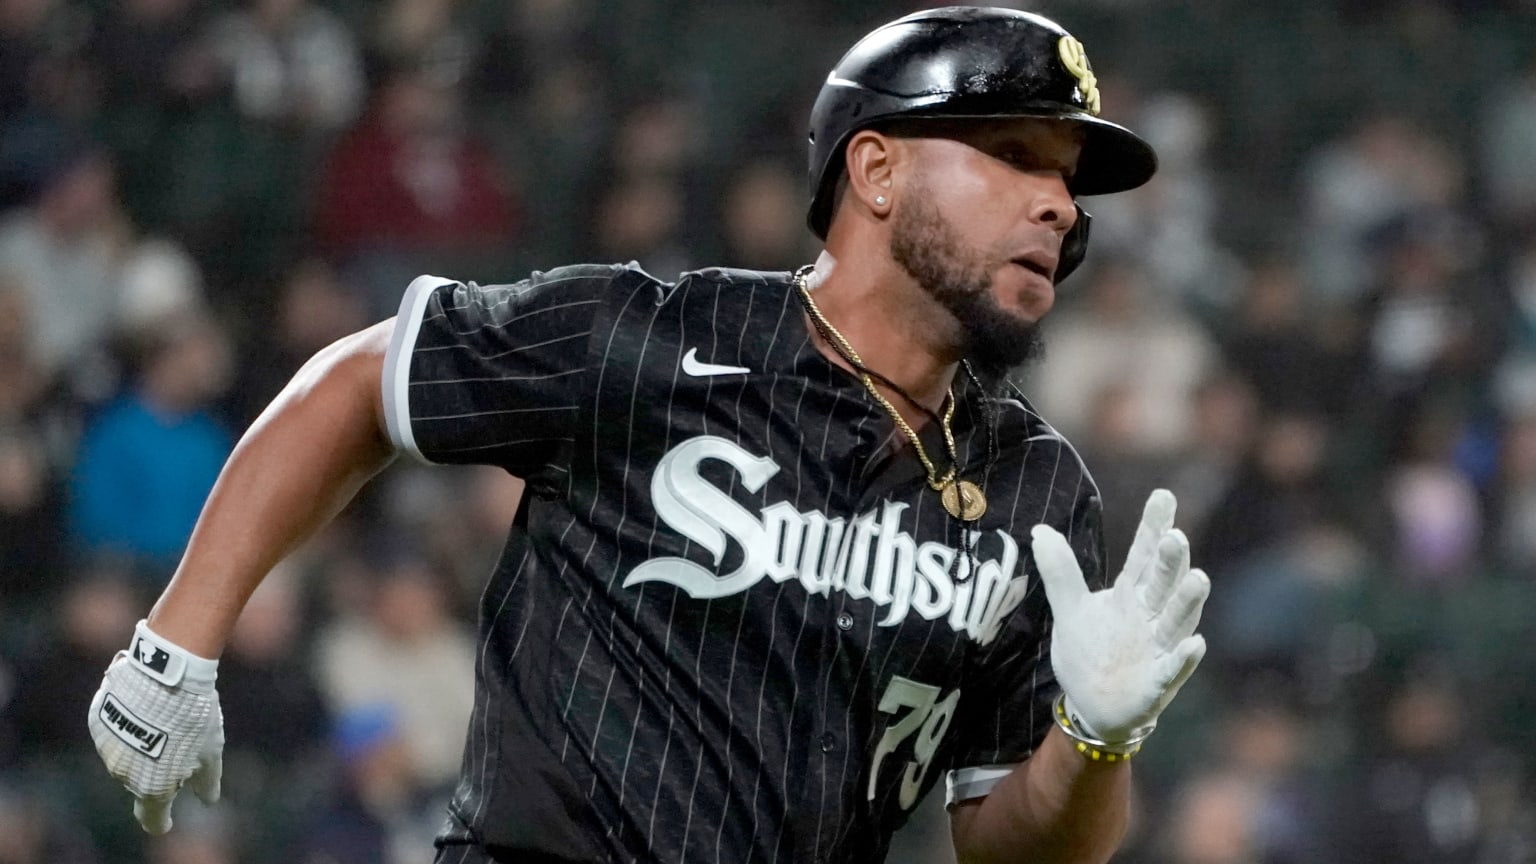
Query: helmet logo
[[1075, 58]]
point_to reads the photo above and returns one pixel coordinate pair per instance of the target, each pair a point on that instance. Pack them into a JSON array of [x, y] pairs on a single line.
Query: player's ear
[[871, 160]]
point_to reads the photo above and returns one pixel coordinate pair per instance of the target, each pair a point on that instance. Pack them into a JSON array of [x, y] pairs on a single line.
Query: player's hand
[[156, 723], [1121, 654]]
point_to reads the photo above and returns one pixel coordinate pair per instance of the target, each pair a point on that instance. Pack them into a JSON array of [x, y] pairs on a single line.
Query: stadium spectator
[[291, 63], [378, 812], [315, 305], [403, 650], [149, 56], [32, 546], [1285, 346], [409, 184], [94, 613], [1422, 800], [63, 252], [761, 216], [148, 459], [1122, 333], [285, 720], [1507, 135], [1382, 168]]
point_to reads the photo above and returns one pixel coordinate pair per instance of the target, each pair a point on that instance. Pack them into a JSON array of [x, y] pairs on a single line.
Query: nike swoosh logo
[[692, 365]]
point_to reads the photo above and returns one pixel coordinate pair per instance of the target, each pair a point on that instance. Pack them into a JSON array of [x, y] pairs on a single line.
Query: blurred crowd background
[[1317, 325]]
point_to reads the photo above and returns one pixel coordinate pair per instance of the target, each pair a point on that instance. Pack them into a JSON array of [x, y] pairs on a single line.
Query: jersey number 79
[[929, 717]]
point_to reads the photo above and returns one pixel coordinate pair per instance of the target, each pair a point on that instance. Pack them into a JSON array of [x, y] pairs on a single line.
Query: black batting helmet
[[971, 62]]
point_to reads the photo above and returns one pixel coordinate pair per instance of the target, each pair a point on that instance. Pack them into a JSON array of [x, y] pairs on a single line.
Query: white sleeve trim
[[963, 784], [397, 363]]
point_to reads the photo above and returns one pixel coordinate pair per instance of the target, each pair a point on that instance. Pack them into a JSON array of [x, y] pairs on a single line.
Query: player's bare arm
[[1057, 805], [300, 462], [156, 719]]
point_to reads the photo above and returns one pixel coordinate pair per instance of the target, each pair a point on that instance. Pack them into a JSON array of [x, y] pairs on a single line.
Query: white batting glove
[[156, 724], [1121, 654]]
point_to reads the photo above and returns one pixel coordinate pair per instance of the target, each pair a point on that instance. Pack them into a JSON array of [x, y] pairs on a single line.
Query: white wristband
[[169, 663]]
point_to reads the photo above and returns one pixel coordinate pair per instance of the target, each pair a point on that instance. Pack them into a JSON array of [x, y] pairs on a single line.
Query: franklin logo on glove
[[139, 734]]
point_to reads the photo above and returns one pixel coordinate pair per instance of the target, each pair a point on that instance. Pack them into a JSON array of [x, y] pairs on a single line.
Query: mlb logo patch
[[150, 656]]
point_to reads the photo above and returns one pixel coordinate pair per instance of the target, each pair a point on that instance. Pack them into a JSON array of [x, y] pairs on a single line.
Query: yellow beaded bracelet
[[1093, 748]]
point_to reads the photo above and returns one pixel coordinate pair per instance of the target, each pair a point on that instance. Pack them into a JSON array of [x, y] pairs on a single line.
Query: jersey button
[[828, 742], [845, 620]]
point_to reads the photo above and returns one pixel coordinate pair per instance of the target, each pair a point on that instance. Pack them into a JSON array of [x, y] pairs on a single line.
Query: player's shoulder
[[586, 279], [630, 278], [727, 281], [557, 288], [738, 276], [1025, 427], [622, 289], [1016, 413]]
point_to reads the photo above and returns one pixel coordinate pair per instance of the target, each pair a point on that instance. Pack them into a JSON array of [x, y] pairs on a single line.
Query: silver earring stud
[[880, 199]]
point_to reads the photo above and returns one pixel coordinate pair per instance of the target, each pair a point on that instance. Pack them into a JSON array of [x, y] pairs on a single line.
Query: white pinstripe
[[542, 409], [826, 434], [773, 621], [730, 769], [671, 402], [510, 351], [496, 445], [485, 718], [602, 367], [517, 294], [698, 709], [807, 611], [909, 663], [503, 379], [772, 635], [666, 750], [847, 738]]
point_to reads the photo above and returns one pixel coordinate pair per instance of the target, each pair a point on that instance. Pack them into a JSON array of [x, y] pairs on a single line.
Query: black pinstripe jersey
[[732, 622]]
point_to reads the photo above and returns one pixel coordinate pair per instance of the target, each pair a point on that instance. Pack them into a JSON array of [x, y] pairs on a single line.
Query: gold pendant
[[964, 500]]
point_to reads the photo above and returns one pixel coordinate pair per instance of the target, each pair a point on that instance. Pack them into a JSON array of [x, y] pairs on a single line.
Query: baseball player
[[792, 547]]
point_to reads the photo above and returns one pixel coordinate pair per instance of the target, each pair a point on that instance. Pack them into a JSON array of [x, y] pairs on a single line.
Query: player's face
[[981, 224]]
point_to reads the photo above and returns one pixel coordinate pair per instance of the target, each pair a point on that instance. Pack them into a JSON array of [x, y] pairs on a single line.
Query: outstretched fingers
[[1156, 520], [1059, 571], [1171, 565], [1176, 666], [1181, 615]]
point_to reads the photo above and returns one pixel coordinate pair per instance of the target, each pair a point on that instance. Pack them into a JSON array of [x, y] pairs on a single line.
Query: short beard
[[959, 278]]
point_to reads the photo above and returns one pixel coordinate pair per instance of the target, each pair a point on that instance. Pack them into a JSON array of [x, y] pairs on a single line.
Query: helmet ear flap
[[1073, 246]]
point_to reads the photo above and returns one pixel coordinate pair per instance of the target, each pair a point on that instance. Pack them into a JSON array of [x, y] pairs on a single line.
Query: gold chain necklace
[[961, 498]]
